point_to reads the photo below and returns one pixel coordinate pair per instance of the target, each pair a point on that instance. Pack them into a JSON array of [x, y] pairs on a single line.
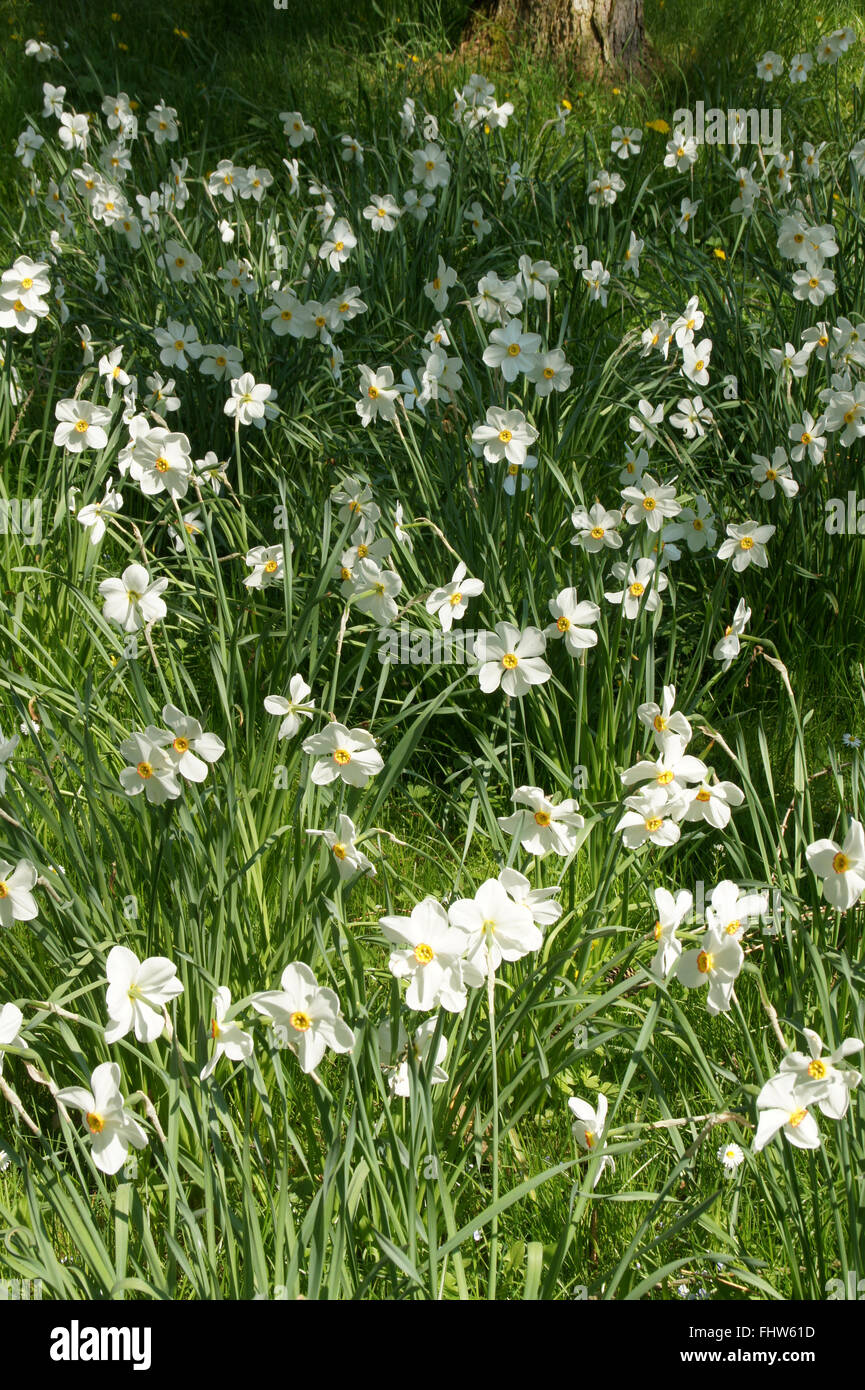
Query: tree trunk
[[596, 33]]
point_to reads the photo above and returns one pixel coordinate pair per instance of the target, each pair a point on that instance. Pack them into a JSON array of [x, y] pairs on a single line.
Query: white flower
[[746, 544], [437, 290], [814, 283], [841, 867], [512, 350], [348, 858], [695, 525], [249, 399], [308, 1016], [178, 343], [588, 1129], [511, 658], [382, 213], [597, 280], [809, 439], [292, 710], [433, 958], [671, 913], [133, 601], [296, 128], [450, 603], [497, 927], [651, 816], [479, 224], [770, 66], [539, 902], [374, 591], [673, 770], [506, 434], [378, 395], [696, 361], [730, 1155], [137, 994], [650, 502], [83, 425], [349, 755], [188, 748], [92, 515], [731, 910], [728, 648], [181, 264], [11, 1019], [681, 152], [430, 167], [267, 563], [777, 472], [7, 748], [663, 720], [818, 1080], [596, 528], [543, 826], [551, 372], [399, 1079], [642, 423], [712, 801], [231, 1040], [644, 587], [573, 621], [717, 964], [692, 417], [538, 277], [113, 1129], [780, 1108], [603, 190], [17, 903], [626, 141]]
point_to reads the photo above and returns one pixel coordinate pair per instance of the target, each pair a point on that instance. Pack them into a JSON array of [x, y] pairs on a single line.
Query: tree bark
[[596, 33]]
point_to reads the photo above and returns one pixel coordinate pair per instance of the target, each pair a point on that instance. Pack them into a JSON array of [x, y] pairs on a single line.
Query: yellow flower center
[[341, 756], [180, 745], [320, 321], [513, 350], [665, 778], [660, 723], [430, 164], [215, 1029], [161, 465], [372, 392], [221, 361], [423, 953], [732, 927], [505, 436], [703, 795], [513, 469], [145, 771], [589, 1138], [27, 283], [509, 661], [817, 1069], [653, 824], [437, 284], [4, 890], [345, 573], [840, 863], [95, 1122], [637, 589], [81, 426], [271, 567], [542, 818], [658, 930], [771, 475], [747, 543], [549, 373], [300, 1021], [813, 282], [597, 533], [705, 962], [286, 315], [179, 345], [339, 851], [179, 261], [563, 624], [697, 524], [797, 1117], [849, 417]]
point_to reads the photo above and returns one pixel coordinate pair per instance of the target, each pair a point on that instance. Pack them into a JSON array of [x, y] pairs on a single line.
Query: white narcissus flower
[[596, 528], [538, 277], [17, 903], [133, 601], [505, 435], [307, 1016], [511, 659], [731, 910], [650, 502], [717, 964], [82, 425], [651, 818], [188, 748], [673, 770], [695, 525], [539, 902], [841, 867], [249, 400], [11, 1019], [671, 913], [433, 958], [382, 213], [378, 395], [746, 545], [349, 860], [350, 755], [644, 421], [267, 563], [148, 770], [113, 1129], [588, 1128], [451, 602], [512, 350], [137, 994], [778, 472], [497, 927], [712, 802], [296, 707], [645, 584], [551, 372], [430, 167], [543, 826], [375, 591], [780, 1108], [663, 720], [728, 648], [92, 515], [231, 1040], [399, 1079], [818, 1080], [7, 748], [439, 286], [572, 621]]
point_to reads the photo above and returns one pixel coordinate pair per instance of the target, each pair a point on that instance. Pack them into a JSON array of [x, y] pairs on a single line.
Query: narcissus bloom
[[17, 903], [21, 289], [11, 1019], [511, 659], [596, 528], [731, 910], [349, 755], [712, 802], [780, 1108], [148, 770], [296, 707], [573, 619], [512, 350], [841, 867], [663, 720], [671, 913], [433, 959], [717, 964], [728, 648], [132, 601], [186, 745], [650, 502], [230, 1039], [497, 927], [451, 602], [543, 826], [818, 1080], [83, 425], [267, 563], [651, 818], [137, 994], [644, 587], [378, 395], [588, 1128], [399, 1075], [113, 1129], [307, 1016], [746, 545], [249, 401], [349, 860]]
